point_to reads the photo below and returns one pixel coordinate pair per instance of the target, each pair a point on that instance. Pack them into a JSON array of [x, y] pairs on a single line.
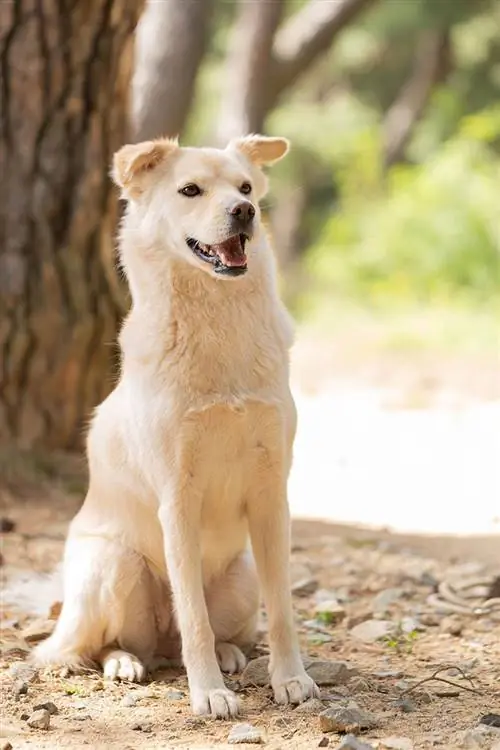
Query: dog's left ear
[[132, 162], [261, 150]]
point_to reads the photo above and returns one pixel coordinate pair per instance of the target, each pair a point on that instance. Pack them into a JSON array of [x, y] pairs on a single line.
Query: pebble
[[20, 688], [325, 672], [245, 734], [305, 587], [370, 631], [329, 611], [452, 625], [38, 630], [174, 695], [384, 674], [351, 742], [317, 638], [49, 706], [395, 743], [15, 651], [406, 705], [322, 672], [130, 700], [324, 742], [99, 685], [410, 624], [481, 736], [311, 706], [491, 720], [81, 717], [384, 599], [349, 718], [5, 745], [24, 672], [39, 719], [145, 726]]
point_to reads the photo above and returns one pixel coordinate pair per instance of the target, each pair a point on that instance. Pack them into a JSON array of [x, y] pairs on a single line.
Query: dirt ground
[[371, 575], [425, 597]]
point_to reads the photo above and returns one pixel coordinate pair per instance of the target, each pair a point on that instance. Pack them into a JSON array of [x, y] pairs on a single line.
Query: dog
[[187, 509]]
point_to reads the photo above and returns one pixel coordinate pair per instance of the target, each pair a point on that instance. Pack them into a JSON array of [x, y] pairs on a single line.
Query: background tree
[[65, 72], [172, 39]]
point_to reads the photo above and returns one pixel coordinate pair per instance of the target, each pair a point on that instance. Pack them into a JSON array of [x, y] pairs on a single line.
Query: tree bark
[[265, 60], [65, 76], [432, 65], [172, 39]]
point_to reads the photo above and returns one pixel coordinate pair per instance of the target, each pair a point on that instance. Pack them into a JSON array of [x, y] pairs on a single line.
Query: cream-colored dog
[[189, 455]]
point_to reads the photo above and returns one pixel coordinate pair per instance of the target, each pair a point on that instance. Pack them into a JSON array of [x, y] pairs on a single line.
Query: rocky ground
[[401, 638], [402, 633]]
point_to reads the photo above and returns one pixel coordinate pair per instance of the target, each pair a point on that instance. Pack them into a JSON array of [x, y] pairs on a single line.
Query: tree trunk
[[265, 59], [432, 65], [249, 65], [65, 76], [172, 39]]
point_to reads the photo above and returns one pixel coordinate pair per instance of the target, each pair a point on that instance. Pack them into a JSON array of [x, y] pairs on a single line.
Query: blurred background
[[385, 219]]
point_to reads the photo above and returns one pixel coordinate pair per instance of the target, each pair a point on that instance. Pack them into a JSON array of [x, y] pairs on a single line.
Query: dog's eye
[[246, 188], [191, 190]]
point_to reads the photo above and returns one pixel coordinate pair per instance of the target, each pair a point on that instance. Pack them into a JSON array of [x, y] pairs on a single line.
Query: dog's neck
[[174, 302]]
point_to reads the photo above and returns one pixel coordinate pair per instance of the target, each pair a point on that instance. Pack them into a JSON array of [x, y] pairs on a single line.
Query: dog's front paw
[[220, 703], [120, 665], [294, 690]]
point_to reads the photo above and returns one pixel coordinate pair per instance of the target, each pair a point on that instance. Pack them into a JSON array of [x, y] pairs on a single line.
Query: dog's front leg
[[179, 515], [269, 522]]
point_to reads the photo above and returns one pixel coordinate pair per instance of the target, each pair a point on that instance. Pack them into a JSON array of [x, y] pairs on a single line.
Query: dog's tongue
[[230, 252]]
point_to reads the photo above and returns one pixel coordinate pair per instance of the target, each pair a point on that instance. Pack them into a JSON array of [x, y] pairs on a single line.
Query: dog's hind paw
[[120, 665], [231, 659]]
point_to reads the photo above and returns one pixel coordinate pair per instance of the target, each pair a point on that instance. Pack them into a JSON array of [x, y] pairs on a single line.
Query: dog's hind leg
[[233, 604], [105, 604]]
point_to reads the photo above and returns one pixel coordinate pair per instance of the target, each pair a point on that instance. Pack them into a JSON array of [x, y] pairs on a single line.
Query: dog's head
[[202, 202]]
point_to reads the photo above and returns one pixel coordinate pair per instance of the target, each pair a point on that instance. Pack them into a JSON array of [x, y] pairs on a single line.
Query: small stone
[[174, 695], [350, 742], [319, 638], [49, 706], [81, 717], [370, 631], [452, 625], [15, 651], [324, 742], [350, 718], [143, 726], [305, 587], [325, 672], [410, 625], [395, 743], [38, 631], [245, 733], [329, 611], [311, 706], [491, 720], [130, 700], [5, 745], [406, 705], [430, 620], [447, 693], [24, 672], [24, 717], [384, 599], [99, 685], [20, 688], [384, 674], [39, 719]]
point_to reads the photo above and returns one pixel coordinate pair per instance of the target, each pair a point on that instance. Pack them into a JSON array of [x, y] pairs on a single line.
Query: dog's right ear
[[131, 163]]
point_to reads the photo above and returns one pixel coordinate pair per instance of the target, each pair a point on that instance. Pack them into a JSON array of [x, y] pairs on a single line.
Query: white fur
[[189, 455]]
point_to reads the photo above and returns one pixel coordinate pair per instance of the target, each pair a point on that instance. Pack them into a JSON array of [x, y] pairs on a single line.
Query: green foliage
[[428, 232]]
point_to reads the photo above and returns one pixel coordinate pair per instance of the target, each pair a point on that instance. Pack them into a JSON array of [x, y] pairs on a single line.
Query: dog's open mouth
[[227, 257]]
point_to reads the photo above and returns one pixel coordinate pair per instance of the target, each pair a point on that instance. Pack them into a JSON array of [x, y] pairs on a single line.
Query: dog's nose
[[243, 212]]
